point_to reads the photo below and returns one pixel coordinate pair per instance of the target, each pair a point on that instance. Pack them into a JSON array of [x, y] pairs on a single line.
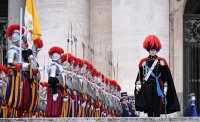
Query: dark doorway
[[191, 67], [3, 26]]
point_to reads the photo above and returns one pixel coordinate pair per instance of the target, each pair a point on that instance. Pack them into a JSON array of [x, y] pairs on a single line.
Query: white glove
[[30, 57], [79, 102], [138, 87], [55, 96], [84, 104], [25, 65], [193, 98], [165, 90], [41, 68], [65, 99]]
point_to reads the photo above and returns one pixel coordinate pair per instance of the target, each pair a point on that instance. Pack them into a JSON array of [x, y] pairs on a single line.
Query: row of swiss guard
[[74, 88]]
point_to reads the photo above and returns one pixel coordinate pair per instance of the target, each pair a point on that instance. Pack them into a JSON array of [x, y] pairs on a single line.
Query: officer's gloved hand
[[138, 87], [25, 65], [165, 88]]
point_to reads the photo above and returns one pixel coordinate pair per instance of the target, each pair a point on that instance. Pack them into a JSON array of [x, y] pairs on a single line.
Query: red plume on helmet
[[98, 74], [13, 27], [152, 42], [64, 57], [88, 65], [94, 72], [76, 61], [119, 87], [38, 42], [103, 77], [80, 62], [107, 80], [114, 83], [111, 82], [56, 49]]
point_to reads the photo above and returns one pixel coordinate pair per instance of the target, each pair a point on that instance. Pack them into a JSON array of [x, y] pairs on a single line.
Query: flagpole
[[20, 36]]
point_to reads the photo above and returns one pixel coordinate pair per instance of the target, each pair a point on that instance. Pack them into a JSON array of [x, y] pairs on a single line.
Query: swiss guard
[[54, 91], [31, 78], [14, 88], [155, 93]]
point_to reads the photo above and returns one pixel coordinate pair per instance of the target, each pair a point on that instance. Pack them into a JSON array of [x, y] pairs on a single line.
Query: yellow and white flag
[[31, 20]]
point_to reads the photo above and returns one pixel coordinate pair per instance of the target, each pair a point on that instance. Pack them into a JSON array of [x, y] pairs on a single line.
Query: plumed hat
[[152, 42], [13, 32], [38, 42], [55, 52]]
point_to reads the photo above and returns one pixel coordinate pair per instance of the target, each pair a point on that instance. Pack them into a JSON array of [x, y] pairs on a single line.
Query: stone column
[[176, 44], [101, 33]]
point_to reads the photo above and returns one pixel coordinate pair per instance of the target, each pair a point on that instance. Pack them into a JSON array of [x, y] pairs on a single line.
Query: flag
[[31, 19]]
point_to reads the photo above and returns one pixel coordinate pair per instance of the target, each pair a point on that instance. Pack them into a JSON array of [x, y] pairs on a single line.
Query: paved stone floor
[[181, 119]]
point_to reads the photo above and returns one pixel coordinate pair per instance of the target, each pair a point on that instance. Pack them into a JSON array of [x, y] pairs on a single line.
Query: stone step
[[124, 119]]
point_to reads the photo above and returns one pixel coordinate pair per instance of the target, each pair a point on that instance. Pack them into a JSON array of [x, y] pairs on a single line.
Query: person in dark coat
[[155, 93], [190, 110], [124, 104], [131, 106]]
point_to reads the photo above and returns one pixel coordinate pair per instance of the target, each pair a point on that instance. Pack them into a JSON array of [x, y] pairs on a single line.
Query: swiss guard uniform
[[31, 78], [54, 91], [43, 98], [124, 104], [154, 84], [67, 61], [14, 84]]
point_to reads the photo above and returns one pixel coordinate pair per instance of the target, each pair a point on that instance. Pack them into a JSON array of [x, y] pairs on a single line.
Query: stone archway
[[191, 50]]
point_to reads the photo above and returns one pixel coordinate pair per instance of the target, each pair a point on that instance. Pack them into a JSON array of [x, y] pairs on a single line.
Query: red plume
[[64, 58], [1, 68], [98, 74], [38, 42], [94, 72], [13, 27], [118, 87], [80, 61], [151, 41], [56, 49], [76, 61]]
